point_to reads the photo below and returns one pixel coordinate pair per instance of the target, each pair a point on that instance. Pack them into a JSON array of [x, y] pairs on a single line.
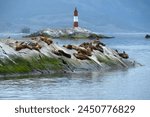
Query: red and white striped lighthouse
[[75, 19]]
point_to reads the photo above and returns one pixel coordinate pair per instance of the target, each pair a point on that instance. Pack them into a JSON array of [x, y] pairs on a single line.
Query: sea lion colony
[[31, 45], [83, 51], [23, 45]]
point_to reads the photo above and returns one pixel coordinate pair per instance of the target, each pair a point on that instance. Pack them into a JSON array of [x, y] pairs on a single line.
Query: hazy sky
[[99, 15]]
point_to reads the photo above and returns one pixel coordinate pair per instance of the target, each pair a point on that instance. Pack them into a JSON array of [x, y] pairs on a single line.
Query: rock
[[147, 36], [70, 33], [95, 36], [29, 55]]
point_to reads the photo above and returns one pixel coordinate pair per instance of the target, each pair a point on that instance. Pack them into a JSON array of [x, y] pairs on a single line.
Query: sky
[[98, 15]]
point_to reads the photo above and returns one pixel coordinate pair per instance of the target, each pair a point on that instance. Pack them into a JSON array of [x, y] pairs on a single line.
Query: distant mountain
[[97, 15]]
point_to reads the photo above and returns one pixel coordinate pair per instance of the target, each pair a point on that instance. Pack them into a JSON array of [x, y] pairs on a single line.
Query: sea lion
[[18, 46], [26, 45], [64, 53], [98, 42], [81, 56], [49, 41], [71, 47], [84, 45], [85, 51], [46, 40], [124, 55], [68, 46], [37, 47], [99, 48], [61, 53], [30, 46], [33, 38], [56, 52], [75, 47]]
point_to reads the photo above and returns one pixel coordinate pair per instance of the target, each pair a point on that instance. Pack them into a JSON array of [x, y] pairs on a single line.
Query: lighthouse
[[75, 18]]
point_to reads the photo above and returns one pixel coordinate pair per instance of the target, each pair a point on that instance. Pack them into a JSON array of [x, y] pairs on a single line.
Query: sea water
[[133, 83]]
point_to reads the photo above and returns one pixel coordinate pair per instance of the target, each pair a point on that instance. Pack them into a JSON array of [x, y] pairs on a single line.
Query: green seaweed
[[22, 65], [106, 60]]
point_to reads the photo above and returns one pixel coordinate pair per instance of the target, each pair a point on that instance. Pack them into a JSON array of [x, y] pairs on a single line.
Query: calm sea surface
[[133, 83]]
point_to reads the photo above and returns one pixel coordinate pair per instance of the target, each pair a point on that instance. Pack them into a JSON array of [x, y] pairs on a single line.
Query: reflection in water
[[133, 83]]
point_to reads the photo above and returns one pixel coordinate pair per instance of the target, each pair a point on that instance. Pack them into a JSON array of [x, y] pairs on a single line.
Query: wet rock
[[70, 33], [35, 54], [147, 36]]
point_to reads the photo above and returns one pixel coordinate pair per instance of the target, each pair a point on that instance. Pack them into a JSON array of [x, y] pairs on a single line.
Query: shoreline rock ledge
[[40, 55], [68, 33]]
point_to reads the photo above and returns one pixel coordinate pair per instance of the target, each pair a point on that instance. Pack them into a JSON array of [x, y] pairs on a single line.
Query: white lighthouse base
[[79, 29]]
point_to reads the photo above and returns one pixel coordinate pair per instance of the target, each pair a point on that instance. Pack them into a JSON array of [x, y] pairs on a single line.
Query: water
[[12, 35], [133, 83]]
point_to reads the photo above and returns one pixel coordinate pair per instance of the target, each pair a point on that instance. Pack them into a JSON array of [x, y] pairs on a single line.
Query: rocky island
[[68, 33], [40, 55]]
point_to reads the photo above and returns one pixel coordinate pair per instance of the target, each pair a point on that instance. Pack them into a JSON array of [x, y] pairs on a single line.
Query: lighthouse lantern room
[[75, 23]]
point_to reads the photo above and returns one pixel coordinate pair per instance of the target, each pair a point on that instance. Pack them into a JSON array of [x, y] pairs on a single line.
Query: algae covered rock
[[40, 55]]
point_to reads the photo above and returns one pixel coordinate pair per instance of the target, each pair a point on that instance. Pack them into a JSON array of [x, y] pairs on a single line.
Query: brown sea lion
[[85, 51], [25, 45], [75, 47], [36, 47], [30, 46], [33, 38], [68, 46], [98, 47], [84, 45], [124, 55], [71, 47], [81, 56], [49, 41], [64, 53], [61, 53], [46, 40], [56, 52], [20, 46]]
